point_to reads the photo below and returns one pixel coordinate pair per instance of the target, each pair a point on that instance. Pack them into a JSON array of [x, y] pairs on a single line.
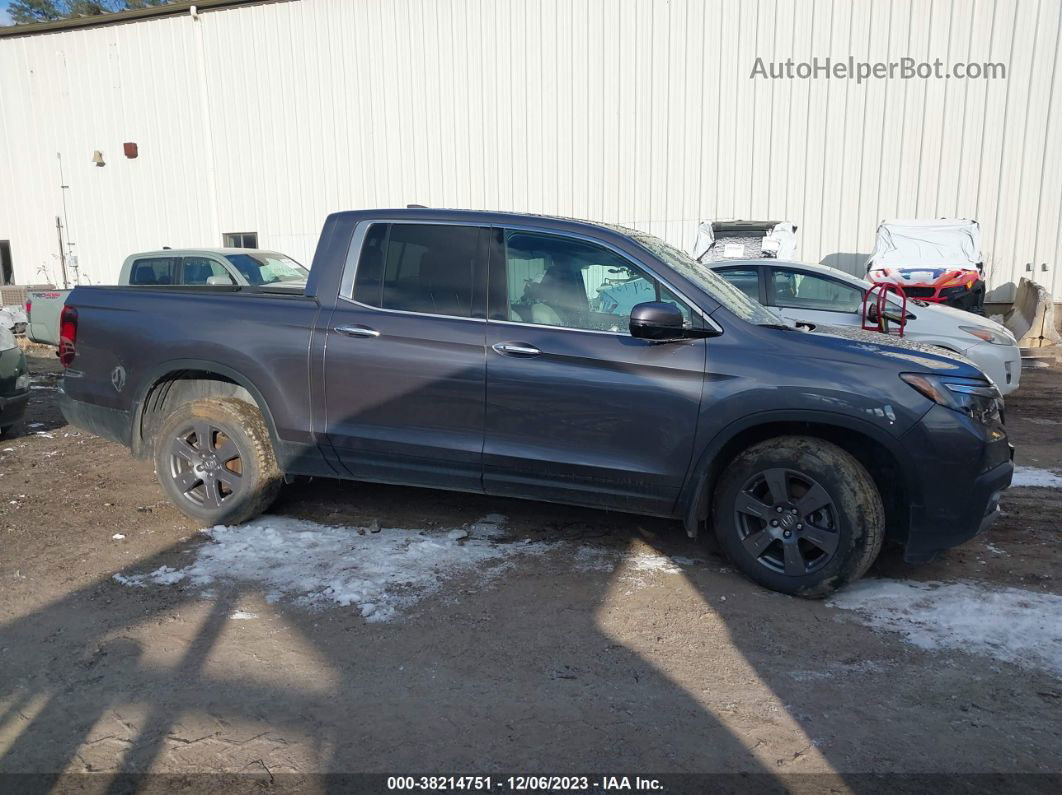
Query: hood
[[960, 316], [898, 351]]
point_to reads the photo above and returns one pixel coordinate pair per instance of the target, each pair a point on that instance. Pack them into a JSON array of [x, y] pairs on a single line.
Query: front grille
[[919, 292]]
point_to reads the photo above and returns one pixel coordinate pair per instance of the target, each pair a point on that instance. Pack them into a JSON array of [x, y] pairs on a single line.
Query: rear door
[[577, 409], [404, 372]]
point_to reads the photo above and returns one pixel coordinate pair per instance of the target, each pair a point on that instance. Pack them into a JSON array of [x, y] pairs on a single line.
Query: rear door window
[[422, 268], [200, 270], [154, 271], [745, 279]]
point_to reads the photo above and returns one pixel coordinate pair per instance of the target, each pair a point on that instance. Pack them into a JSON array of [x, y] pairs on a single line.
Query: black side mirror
[[657, 320], [894, 317]]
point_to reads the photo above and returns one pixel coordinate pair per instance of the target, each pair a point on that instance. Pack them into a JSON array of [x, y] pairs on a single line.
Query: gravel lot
[[446, 633]]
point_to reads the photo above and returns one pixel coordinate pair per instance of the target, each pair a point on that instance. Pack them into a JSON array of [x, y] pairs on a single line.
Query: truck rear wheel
[[215, 461], [799, 515]]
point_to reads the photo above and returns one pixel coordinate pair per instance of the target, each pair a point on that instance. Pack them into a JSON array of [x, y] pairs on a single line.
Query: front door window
[[561, 281], [798, 290]]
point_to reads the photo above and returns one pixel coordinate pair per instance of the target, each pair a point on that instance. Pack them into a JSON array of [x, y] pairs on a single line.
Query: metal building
[[262, 117]]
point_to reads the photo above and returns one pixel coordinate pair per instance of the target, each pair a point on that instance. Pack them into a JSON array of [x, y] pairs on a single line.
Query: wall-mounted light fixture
[[97, 158]]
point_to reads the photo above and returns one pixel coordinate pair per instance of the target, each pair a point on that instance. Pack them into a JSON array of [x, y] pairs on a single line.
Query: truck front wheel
[[799, 515], [215, 461]]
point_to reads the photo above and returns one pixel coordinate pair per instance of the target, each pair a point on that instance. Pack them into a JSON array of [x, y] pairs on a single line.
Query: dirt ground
[[545, 668]]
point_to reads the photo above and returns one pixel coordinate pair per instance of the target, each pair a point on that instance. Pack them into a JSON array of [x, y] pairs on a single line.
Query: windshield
[[717, 287], [266, 267]]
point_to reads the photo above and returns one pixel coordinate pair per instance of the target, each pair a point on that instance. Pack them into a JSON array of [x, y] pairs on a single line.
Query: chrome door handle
[[357, 331], [516, 349]]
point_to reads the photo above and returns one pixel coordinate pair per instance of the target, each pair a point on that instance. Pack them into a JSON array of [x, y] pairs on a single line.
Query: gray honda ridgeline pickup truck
[[549, 359]]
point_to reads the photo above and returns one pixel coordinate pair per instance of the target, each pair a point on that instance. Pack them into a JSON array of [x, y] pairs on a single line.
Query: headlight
[[988, 335], [7, 339], [977, 399], [22, 383]]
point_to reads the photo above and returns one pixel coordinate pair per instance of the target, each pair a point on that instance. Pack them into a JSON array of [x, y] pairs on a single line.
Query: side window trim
[[357, 243], [361, 230]]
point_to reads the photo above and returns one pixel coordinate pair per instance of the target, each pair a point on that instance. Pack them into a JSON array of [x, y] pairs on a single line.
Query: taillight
[[29, 303], [67, 335]]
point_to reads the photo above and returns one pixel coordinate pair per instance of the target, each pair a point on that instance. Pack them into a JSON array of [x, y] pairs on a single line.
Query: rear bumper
[[98, 420], [963, 469], [13, 408]]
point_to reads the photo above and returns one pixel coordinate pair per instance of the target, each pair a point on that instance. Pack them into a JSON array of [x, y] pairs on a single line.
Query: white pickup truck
[[186, 267]]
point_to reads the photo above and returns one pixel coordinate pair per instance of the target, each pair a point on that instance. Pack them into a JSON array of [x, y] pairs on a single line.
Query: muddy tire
[[799, 515], [215, 461]]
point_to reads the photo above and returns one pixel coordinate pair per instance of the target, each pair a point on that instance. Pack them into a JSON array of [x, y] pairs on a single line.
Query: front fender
[[691, 504]]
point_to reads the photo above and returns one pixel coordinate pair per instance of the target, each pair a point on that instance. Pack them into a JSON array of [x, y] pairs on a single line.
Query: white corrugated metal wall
[[266, 117]]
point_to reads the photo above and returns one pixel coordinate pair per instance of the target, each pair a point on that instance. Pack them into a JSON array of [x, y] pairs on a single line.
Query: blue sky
[[5, 18]]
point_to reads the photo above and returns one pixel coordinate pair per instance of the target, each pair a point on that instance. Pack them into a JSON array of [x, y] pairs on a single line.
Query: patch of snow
[[243, 615], [640, 566], [118, 536], [1008, 624], [594, 559], [652, 563], [45, 434], [313, 565], [1031, 477]]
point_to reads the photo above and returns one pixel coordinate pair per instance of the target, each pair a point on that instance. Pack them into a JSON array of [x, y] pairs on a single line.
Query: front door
[[404, 372], [577, 409]]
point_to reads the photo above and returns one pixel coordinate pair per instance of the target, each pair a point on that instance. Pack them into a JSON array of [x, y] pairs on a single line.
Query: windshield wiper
[[781, 326]]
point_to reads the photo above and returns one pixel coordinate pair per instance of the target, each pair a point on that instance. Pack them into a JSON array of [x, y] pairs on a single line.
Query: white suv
[[824, 296]]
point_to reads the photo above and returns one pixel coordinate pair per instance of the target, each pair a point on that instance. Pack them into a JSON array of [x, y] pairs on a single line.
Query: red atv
[[933, 260]]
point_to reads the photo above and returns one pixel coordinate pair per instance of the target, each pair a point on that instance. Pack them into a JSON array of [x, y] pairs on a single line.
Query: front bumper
[[13, 408], [969, 298], [960, 469], [12, 399]]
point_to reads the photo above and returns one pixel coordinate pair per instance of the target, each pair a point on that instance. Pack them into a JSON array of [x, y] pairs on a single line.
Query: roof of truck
[[184, 252]]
